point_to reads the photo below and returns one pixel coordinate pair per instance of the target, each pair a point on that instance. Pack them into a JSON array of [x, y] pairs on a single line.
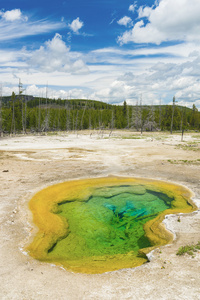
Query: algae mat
[[104, 224]]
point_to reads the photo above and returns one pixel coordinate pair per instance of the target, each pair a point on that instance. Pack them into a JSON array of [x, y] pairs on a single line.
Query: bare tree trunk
[[76, 124], [112, 124], [25, 114], [137, 116], [13, 115], [58, 123], [160, 114], [141, 116], [182, 135], [182, 127], [128, 121], [46, 116], [22, 115], [21, 98], [39, 117], [1, 121], [83, 115], [172, 120], [100, 122], [68, 119]]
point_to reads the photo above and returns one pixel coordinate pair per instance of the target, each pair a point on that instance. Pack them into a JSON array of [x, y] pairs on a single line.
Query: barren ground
[[30, 163]]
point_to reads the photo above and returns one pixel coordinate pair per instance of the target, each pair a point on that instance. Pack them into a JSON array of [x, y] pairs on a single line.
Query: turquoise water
[[110, 222]]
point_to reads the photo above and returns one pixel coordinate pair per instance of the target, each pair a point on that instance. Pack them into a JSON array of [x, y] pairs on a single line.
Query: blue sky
[[104, 49]]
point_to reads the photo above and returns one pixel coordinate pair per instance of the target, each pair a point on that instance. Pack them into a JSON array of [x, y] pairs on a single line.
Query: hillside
[[28, 113]]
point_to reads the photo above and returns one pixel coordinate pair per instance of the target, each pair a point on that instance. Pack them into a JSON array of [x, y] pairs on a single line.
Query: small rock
[[5, 171]]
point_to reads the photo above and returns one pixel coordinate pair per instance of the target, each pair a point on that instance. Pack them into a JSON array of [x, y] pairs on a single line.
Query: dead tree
[[172, 119], [183, 122], [83, 115], [22, 102], [160, 114], [67, 107], [112, 123], [25, 111], [128, 119], [39, 116], [13, 129], [76, 124], [138, 116], [150, 121], [1, 121], [46, 112]]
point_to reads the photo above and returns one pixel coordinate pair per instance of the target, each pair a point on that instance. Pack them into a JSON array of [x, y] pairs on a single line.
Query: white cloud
[[76, 25], [125, 21], [56, 56], [14, 25], [144, 11], [169, 20], [38, 91], [132, 7], [13, 15], [153, 72]]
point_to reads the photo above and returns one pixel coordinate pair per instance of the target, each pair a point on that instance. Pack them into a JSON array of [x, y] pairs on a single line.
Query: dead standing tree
[[39, 116], [46, 121], [13, 128], [83, 115], [67, 108], [1, 121], [183, 122], [172, 119], [160, 114], [112, 123], [150, 122], [137, 116], [22, 102]]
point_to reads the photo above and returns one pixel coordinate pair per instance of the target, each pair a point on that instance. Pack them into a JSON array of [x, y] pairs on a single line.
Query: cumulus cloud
[[132, 7], [144, 11], [161, 80], [76, 25], [13, 15], [56, 56], [55, 93], [125, 21], [165, 80], [38, 91], [167, 20], [155, 72]]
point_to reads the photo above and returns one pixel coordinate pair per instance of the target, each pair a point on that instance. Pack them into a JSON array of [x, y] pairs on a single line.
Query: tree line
[[23, 114]]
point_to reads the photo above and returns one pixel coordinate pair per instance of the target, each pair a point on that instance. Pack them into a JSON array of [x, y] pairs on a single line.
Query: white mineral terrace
[[30, 163]]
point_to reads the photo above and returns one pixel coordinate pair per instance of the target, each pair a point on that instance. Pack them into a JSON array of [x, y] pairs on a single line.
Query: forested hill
[[28, 113]]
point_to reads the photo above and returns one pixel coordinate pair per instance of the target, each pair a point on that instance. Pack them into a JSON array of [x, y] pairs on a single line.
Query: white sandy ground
[[30, 163]]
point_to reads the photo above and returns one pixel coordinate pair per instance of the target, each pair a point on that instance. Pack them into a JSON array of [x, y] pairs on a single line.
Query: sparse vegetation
[[188, 249], [184, 161], [193, 146]]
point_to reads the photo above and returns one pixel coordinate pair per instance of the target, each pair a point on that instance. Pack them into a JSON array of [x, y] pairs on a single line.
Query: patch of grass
[[193, 146], [196, 136], [52, 133], [184, 161], [189, 249], [133, 137]]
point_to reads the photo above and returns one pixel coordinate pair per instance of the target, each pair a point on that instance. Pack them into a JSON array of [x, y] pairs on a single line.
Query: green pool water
[[109, 222]]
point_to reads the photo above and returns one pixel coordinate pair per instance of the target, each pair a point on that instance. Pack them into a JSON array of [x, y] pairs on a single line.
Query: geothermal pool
[[104, 224]]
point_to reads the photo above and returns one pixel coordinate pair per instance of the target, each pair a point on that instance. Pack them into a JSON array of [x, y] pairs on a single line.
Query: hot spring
[[104, 224]]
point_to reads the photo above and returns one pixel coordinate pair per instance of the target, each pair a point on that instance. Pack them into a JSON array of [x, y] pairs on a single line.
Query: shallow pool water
[[109, 222], [103, 224]]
